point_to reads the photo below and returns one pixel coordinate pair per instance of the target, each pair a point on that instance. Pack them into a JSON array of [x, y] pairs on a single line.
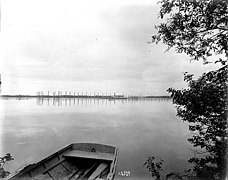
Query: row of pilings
[[60, 94], [90, 101]]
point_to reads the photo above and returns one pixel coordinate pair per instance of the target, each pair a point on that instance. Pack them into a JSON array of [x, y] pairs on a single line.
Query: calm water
[[33, 129]]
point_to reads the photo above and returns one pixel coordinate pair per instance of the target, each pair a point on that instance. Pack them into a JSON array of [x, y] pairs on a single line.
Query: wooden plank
[[51, 166], [90, 155], [50, 175], [98, 171], [89, 170], [70, 175], [42, 177], [105, 173], [114, 162], [59, 172], [77, 175], [70, 166], [28, 168]]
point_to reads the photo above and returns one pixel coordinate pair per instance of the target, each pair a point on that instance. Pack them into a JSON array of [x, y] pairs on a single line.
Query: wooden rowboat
[[75, 162]]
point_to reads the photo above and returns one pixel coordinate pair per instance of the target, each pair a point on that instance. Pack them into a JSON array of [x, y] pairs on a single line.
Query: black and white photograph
[[113, 89]]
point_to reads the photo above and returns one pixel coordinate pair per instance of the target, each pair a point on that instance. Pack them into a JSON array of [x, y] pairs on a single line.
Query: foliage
[[198, 28], [204, 106], [3, 161], [156, 168]]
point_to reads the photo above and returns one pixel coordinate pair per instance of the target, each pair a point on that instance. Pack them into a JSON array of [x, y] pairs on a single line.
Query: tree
[[3, 161], [204, 106], [199, 28]]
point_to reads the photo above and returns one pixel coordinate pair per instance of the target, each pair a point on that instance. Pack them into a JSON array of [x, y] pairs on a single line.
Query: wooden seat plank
[[90, 155]]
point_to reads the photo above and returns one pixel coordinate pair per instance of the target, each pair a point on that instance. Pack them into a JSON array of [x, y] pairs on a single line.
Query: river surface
[[32, 129]]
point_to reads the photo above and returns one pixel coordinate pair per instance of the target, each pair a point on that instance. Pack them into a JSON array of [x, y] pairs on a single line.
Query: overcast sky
[[86, 46]]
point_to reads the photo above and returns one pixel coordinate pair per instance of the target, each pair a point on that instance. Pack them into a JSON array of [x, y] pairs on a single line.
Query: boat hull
[[74, 162]]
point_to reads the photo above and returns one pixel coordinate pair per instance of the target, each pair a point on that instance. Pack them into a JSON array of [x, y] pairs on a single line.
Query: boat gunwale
[[111, 174]]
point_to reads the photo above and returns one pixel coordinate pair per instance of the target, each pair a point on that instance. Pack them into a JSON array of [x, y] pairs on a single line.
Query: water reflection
[[36, 127], [91, 101]]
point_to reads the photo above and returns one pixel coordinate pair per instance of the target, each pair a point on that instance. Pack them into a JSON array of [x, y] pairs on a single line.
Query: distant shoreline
[[83, 96]]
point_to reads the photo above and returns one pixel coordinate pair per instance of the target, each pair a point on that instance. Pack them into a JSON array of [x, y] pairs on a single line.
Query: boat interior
[[77, 169]]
